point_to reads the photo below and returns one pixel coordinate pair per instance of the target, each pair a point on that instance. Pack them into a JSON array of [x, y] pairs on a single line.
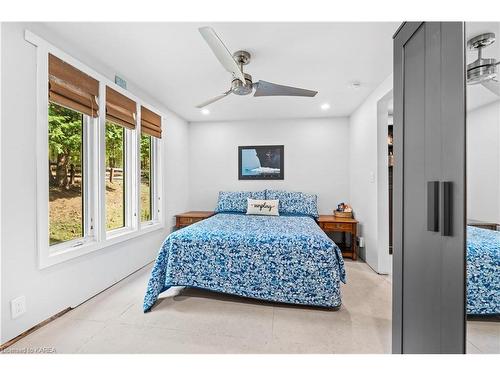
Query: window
[[146, 191], [73, 105], [150, 132], [66, 200], [97, 174], [121, 120], [115, 176]]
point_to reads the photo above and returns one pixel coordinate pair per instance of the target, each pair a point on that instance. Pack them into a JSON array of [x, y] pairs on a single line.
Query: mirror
[[483, 187]]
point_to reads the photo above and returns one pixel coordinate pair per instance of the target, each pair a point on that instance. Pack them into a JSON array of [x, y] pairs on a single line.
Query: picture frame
[[263, 162]]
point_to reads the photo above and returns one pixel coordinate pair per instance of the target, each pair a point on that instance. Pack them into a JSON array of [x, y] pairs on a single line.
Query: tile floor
[[196, 321], [483, 337]]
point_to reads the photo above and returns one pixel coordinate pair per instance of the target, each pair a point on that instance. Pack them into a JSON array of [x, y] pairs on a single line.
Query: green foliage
[[115, 135], [65, 133], [65, 138], [145, 177], [145, 150]]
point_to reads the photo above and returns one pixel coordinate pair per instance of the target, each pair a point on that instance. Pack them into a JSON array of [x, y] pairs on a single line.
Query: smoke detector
[[355, 85]]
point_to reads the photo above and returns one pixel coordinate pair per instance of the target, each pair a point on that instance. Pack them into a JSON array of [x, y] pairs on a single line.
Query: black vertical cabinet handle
[[447, 208], [433, 206]]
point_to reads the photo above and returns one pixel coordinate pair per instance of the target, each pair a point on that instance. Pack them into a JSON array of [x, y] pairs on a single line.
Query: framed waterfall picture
[[261, 162]]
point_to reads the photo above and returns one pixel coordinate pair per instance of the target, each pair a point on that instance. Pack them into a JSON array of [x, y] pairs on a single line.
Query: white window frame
[[96, 237], [130, 209], [88, 213], [155, 184]]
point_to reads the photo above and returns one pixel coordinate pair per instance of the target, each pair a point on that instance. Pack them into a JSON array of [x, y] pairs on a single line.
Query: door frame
[[403, 33], [384, 258]]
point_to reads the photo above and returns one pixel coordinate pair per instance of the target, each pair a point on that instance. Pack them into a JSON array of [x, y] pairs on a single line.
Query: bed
[[285, 258], [483, 271]]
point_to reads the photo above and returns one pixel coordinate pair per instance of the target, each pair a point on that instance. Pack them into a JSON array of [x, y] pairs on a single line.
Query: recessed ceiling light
[[205, 111], [325, 106]]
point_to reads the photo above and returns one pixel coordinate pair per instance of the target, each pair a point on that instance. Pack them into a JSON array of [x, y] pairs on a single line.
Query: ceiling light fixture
[[325, 106], [205, 111]]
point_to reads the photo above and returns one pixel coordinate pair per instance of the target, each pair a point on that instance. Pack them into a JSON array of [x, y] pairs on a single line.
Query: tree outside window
[[65, 174]]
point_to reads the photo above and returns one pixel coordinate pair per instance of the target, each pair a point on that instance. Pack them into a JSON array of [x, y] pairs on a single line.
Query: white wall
[[483, 163], [364, 157], [53, 289], [1, 174], [316, 158]]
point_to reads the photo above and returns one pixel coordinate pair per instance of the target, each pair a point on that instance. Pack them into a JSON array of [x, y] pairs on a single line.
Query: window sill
[[73, 249], [125, 234]]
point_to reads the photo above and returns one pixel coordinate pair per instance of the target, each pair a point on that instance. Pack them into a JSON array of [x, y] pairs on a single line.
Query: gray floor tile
[[197, 321]]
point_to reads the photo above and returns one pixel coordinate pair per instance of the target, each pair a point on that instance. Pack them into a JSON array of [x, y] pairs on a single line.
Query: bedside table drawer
[[337, 226], [187, 220]]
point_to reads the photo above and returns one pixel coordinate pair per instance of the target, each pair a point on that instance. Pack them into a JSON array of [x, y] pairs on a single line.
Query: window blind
[[120, 109], [72, 88], [150, 122]]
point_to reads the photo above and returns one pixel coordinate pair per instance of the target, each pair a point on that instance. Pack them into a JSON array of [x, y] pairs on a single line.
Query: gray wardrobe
[[429, 188]]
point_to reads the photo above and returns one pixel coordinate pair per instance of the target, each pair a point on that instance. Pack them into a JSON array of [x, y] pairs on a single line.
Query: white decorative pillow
[[262, 207]]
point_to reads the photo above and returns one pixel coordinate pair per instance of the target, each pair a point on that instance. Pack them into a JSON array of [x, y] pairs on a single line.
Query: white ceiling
[[478, 95], [171, 62]]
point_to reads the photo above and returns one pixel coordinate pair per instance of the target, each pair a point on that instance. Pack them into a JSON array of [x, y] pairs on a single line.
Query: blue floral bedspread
[[483, 271], [277, 258]]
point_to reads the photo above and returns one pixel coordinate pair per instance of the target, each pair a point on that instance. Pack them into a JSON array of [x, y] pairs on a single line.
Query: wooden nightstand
[[330, 224], [187, 218], [482, 224]]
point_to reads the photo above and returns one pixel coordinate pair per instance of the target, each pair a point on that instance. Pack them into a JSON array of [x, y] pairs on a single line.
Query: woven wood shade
[[150, 122], [120, 109], [72, 88]]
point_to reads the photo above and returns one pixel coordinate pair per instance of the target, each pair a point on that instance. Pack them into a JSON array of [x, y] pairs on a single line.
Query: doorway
[[385, 162]]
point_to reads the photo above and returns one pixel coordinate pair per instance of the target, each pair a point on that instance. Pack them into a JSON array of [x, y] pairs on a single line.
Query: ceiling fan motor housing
[[486, 70], [240, 88], [482, 69]]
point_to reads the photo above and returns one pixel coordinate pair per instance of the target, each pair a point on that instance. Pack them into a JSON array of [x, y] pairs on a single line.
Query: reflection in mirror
[[483, 187]]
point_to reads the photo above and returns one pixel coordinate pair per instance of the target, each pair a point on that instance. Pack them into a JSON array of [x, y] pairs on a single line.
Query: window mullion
[[136, 154], [130, 173], [154, 179], [160, 205], [88, 219], [100, 167]]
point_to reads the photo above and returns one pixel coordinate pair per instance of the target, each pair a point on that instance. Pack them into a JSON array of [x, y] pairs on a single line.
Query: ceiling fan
[[483, 70], [241, 83]]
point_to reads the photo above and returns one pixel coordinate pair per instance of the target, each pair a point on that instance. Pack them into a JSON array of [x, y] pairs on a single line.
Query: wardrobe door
[[429, 133], [453, 217]]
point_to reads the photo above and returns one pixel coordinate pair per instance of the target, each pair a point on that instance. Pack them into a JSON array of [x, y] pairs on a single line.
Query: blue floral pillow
[[295, 203], [236, 201]]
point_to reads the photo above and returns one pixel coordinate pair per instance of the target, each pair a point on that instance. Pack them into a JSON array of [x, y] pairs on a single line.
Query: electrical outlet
[[361, 242], [18, 306]]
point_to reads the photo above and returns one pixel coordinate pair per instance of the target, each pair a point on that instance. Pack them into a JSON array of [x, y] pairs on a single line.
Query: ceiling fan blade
[[221, 52], [210, 101], [265, 88], [493, 86]]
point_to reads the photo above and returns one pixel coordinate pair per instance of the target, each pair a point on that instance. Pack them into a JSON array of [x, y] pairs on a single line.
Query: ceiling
[[172, 63], [477, 95]]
